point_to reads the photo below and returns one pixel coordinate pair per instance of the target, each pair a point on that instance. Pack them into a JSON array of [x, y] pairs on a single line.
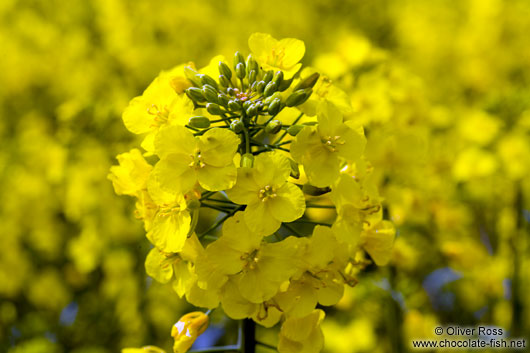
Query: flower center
[[267, 193], [332, 142], [160, 116], [251, 259], [168, 209], [276, 57], [197, 160]]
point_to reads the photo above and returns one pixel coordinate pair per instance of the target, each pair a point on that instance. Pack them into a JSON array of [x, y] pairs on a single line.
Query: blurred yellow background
[[442, 87]]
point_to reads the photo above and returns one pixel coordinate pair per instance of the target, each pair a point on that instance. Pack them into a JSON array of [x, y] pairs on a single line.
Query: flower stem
[[285, 132], [219, 222], [249, 338]]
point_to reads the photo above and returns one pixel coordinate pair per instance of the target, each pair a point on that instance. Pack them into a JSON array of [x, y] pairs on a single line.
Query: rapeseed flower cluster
[[260, 143]]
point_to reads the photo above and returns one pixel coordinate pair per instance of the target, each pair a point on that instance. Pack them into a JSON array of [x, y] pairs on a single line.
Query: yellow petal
[[170, 231], [260, 220], [175, 174], [288, 205], [378, 242], [218, 147], [175, 139], [158, 266], [131, 175], [234, 304], [245, 190], [217, 178]]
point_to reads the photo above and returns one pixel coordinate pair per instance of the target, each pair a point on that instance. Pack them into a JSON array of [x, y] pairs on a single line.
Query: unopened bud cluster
[[244, 92]]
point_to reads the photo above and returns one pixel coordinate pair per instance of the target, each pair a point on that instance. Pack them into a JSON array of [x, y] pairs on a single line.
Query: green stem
[[223, 201], [219, 120], [267, 346], [292, 230], [247, 140], [217, 208], [249, 338], [285, 132], [206, 194], [219, 222]]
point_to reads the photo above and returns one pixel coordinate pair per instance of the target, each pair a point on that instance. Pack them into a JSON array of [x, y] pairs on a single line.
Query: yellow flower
[[257, 269], [273, 54], [324, 92], [186, 159], [164, 266], [320, 281], [160, 104], [130, 177], [323, 148], [171, 223], [187, 329], [269, 197], [378, 241], [358, 205], [302, 335]]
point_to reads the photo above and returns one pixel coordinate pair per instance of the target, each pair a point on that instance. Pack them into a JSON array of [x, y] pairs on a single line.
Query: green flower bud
[[191, 74], [252, 110], [247, 160], [308, 82], [260, 86], [199, 122], [295, 170], [270, 89], [274, 107], [269, 100], [285, 84], [268, 76], [195, 94], [237, 126], [234, 106], [252, 64], [214, 109], [278, 78], [223, 99], [247, 104], [252, 76], [298, 97], [225, 82], [238, 59], [240, 71], [225, 70], [314, 191], [207, 80], [209, 93], [293, 130], [231, 91], [273, 127]]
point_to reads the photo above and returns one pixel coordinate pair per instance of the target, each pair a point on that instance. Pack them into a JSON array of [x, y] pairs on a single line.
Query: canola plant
[[431, 107]]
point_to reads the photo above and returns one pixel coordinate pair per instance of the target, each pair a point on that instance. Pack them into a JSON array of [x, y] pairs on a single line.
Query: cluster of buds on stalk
[[243, 94]]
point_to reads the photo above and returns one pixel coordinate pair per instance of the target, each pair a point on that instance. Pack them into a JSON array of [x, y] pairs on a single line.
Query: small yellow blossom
[[269, 197], [323, 148], [186, 159], [274, 54]]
